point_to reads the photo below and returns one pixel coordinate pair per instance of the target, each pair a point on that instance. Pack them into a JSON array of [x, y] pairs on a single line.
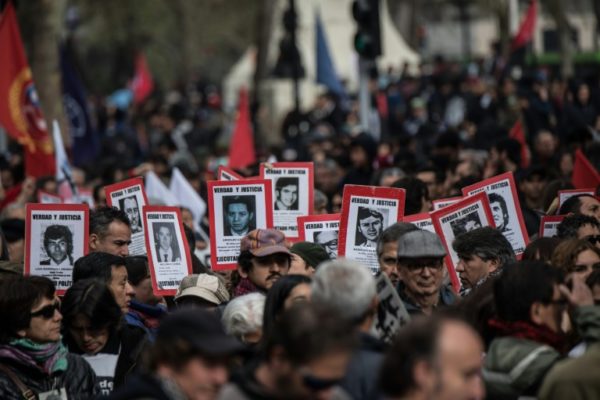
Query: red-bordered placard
[[236, 208], [366, 212], [130, 197], [48, 198], [323, 229], [56, 235], [504, 202], [168, 252], [549, 225], [293, 193], [441, 203], [564, 195], [227, 174], [422, 221], [470, 213]]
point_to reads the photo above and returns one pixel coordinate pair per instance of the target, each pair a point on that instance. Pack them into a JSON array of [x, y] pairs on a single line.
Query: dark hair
[[364, 212], [416, 191], [96, 265], [54, 232], [137, 269], [416, 342], [392, 233], [102, 217], [276, 298], [245, 260], [306, 332], [522, 284], [18, 295], [512, 148], [568, 227], [540, 249], [496, 198], [286, 181], [245, 200], [4, 254], [573, 204], [486, 243], [93, 299]]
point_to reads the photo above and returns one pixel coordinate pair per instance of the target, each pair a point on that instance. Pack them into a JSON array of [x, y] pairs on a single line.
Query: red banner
[[20, 112], [584, 173]]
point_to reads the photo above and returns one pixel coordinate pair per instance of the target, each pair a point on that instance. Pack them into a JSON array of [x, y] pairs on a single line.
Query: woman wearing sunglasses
[[33, 361], [94, 327]]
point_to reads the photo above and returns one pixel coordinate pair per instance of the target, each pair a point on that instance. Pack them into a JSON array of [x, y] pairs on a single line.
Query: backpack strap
[[27, 393]]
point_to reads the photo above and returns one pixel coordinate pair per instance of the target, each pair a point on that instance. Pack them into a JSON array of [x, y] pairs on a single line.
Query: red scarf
[[245, 286], [530, 331]]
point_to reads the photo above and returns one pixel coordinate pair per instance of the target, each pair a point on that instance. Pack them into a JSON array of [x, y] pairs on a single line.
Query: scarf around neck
[[48, 357], [530, 331]]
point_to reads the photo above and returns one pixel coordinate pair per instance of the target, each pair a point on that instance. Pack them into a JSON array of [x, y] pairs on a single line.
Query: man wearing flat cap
[[421, 270], [264, 258]]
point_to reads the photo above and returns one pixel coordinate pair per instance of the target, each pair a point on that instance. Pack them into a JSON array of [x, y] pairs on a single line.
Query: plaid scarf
[[530, 331], [245, 286], [47, 357]]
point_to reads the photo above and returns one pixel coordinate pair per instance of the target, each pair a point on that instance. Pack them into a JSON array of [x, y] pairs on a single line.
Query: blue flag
[[85, 141], [325, 70]]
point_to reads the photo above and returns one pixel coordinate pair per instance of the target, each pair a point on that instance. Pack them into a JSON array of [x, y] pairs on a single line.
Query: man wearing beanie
[[306, 257]]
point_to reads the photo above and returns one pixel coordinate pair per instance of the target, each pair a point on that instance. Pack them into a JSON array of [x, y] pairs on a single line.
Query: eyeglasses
[[418, 266], [317, 384], [46, 312], [585, 267], [593, 239], [331, 243]]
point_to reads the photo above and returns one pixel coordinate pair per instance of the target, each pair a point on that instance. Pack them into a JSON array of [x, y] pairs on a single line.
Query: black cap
[[202, 329]]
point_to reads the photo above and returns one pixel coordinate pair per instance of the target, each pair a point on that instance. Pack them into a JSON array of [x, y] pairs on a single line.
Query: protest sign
[[323, 229], [55, 236], [129, 196], [422, 221], [564, 195], [549, 225], [504, 202], [292, 185], [391, 312], [227, 174], [470, 213], [236, 208], [366, 212], [441, 203], [169, 257], [48, 198]]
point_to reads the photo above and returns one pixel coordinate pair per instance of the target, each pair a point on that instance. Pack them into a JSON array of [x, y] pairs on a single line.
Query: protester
[[417, 195], [421, 271], [202, 291], [188, 360], [145, 309], [579, 226], [110, 231], [33, 360], [348, 290], [540, 249], [264, 258], [243, 317], [434, 358], [95, 329], [530, 302], [305, 357], [109, 269], [583, 204], [306, 257], [387, 249], [576, 257]]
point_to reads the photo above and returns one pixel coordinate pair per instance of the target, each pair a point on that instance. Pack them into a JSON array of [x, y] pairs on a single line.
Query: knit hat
[[314, 254]]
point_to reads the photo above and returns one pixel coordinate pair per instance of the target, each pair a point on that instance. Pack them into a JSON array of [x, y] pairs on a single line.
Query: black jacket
[[79, 379], [362, 374], [144, 387]]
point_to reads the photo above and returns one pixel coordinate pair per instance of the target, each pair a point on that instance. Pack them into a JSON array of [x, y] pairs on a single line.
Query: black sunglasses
[[48, 311], [317, 384], [593, 239]]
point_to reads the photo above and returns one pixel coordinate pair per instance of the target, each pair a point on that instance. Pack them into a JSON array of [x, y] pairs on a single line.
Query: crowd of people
[[294, 321]]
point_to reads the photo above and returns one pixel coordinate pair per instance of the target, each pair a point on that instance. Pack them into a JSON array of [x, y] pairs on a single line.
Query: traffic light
[[289, 62], [367, 40]]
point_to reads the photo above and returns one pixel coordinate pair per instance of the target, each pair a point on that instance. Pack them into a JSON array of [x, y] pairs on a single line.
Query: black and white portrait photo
[[239, 215], [465, 224], [132, 209], [369, 225], [499, 211], [165, 242], [58, 246], [286, 193], [329, 241]]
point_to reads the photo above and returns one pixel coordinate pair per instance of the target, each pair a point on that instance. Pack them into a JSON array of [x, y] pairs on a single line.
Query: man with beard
[[264, 258]]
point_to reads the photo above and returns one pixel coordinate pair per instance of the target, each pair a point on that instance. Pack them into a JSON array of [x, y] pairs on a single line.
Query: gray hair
[[392, 233], [244, 315], [486, 243], [345, 287]]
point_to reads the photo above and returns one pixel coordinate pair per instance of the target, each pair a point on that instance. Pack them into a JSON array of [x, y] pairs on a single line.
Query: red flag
[[527, 27], [20, 112], [584, 173], [241, 149], [517, 133], [142, 83]]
